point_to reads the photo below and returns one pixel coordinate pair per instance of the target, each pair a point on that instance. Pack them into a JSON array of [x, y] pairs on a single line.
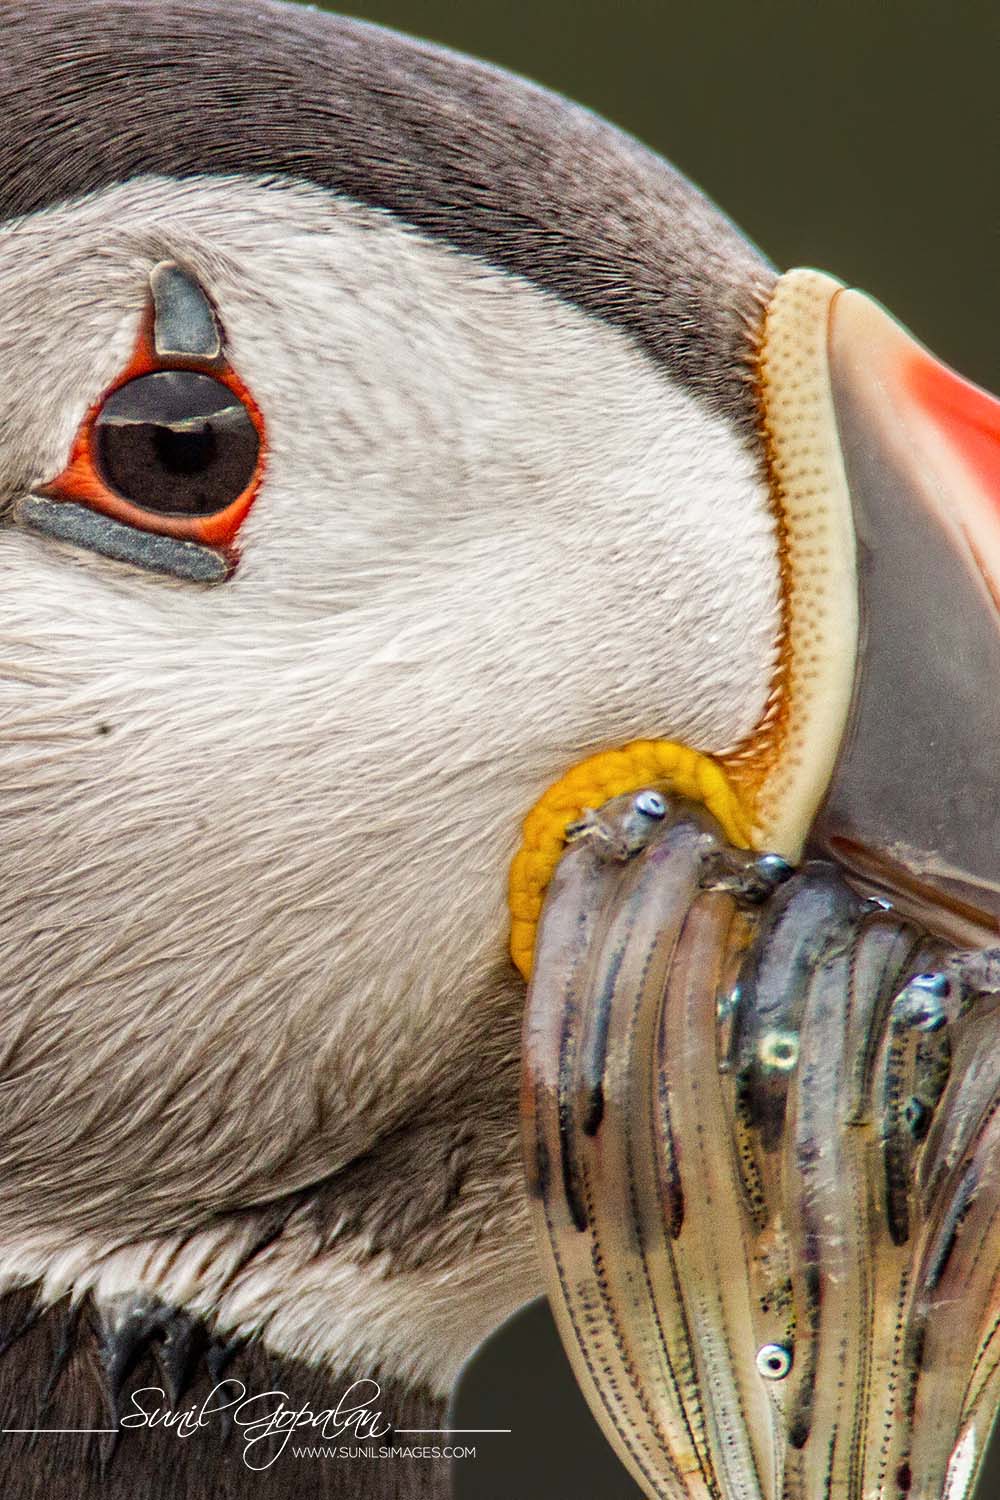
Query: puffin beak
[[882, 749], [913, 804]]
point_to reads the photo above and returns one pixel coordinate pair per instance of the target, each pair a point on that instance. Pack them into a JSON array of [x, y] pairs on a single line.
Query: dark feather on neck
[[80, 1367]]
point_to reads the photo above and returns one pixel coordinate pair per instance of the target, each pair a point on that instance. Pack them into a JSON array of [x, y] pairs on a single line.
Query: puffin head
[[380, 438]]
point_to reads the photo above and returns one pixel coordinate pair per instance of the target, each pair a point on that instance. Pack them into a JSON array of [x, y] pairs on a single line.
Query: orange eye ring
[[83, 483]]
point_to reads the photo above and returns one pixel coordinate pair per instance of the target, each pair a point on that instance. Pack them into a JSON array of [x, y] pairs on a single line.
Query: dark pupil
[[176, 442]]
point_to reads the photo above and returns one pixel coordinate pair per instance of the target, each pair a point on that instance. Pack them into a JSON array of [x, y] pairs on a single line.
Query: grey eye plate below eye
[[143, 549]]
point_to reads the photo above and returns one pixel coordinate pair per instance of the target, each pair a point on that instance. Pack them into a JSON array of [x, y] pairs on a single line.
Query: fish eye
[[176, 443]]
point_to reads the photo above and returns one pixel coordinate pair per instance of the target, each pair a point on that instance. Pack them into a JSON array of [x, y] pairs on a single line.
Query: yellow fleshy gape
[[643, 763]]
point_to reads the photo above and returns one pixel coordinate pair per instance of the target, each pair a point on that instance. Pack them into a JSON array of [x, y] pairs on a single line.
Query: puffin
[[395, 460]]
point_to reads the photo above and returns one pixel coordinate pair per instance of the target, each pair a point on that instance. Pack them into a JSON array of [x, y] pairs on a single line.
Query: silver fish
[[761, 1132]]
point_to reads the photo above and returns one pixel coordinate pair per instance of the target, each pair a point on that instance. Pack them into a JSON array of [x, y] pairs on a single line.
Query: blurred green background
[[862, 137]]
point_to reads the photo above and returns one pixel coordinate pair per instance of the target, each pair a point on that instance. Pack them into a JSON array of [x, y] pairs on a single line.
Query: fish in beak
[[759, 1102]]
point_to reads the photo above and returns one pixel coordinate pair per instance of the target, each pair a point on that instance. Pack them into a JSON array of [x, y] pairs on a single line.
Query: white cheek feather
[[256, 838]]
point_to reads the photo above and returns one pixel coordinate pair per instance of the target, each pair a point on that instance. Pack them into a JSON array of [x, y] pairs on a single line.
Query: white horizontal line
[[407, 1430]]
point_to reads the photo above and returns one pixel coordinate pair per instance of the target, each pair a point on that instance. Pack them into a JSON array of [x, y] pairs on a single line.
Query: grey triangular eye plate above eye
[[184, 325]]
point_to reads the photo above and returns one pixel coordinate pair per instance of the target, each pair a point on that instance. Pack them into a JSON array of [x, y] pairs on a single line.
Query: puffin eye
[[169, 460], [176, 442]]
